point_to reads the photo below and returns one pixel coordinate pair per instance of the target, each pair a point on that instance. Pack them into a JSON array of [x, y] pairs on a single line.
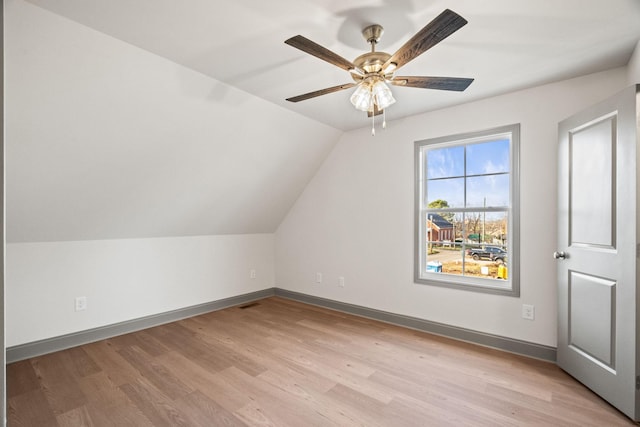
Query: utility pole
[[484, 217]]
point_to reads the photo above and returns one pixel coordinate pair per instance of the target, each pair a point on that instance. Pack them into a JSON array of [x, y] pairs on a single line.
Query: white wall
[[634, 66], [355, 218], [105, 140], [125, 279]]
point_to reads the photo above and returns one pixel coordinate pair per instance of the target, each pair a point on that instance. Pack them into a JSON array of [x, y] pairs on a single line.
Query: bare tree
[[473, 221]]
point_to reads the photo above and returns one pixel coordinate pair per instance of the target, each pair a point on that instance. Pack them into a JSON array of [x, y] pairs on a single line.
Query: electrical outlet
[[318, 277], [252, 273], [528, 312], [341, 281], [81, 303]]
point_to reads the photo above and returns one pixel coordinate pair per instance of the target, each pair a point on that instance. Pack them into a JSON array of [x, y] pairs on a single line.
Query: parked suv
[[493, 253]]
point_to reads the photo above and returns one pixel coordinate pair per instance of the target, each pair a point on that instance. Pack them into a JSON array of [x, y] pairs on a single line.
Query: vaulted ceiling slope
[[507, 45], [168, 118], [105, 140]]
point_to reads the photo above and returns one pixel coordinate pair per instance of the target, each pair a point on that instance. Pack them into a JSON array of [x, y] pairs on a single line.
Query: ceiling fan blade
[[441, 83], [445, 24], [321, 92], [313, 48]]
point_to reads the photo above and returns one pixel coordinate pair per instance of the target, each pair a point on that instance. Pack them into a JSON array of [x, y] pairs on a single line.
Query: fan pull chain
[[384, 118], [373, 124]]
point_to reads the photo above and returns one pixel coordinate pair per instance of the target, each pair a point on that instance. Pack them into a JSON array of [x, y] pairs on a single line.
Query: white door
[[598, 249]]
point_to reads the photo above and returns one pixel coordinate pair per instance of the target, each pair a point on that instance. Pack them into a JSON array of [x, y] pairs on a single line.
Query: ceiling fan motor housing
[[371, 62]]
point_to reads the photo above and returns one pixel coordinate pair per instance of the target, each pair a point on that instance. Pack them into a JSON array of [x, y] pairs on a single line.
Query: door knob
[[559, 255]]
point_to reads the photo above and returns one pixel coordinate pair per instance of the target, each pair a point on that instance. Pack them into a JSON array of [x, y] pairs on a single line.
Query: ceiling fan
[[372, 70]]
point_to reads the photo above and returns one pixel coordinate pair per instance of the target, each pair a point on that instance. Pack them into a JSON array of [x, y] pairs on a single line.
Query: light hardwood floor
[[284, 363]]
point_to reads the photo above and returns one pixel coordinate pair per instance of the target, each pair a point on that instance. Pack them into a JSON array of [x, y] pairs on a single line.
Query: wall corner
[[633, 67]]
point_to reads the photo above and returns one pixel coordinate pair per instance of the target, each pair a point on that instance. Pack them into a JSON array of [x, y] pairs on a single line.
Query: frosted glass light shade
[[382, 95], [362, 97]]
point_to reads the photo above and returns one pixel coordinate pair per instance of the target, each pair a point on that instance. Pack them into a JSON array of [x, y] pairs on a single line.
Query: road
[[449, 255]]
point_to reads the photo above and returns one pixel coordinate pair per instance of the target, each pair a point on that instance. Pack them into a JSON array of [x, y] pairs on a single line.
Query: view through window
[[466, 211]]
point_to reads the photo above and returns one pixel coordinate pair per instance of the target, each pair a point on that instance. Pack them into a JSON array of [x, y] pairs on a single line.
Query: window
[[466, 211]]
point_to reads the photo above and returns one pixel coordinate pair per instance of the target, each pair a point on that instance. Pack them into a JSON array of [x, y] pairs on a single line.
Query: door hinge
[[638, 382]]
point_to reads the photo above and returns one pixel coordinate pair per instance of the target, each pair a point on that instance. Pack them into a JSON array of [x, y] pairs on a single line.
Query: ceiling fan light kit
[[370, 93], [373, 70], [373, 96]]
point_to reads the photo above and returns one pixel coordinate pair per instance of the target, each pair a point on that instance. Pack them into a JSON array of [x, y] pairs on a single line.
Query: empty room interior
[[292, 213]]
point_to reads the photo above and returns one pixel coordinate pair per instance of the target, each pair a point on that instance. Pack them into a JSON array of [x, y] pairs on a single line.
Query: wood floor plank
[[21, 378], [111, 362], [157, 407], [283, 363], [156, 373], [101, 391], [175, 336], [434, 414], [232, 356], [128, 415], [253, 415], [209, 383], [339, 412], [58, 382], [337, 372], [30, 409], [183, 340], [272, 402], [302, 376], [257, 348], [579, 416], [78, 362], [200, 410], [483, 408], [141, 339], [587, 408], [75, 417]]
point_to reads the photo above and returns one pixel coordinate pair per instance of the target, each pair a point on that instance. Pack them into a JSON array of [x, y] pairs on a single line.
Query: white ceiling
[[155, 118], [507, 44]]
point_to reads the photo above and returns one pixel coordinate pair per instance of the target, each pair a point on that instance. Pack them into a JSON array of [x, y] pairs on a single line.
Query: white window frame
[[509, 287]]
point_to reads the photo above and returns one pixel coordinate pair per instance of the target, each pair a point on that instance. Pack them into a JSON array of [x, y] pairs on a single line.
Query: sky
[[445, 172]]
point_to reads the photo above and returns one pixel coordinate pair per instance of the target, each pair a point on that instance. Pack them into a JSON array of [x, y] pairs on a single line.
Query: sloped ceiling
[[168, 118], [507, 45], [105, 140]]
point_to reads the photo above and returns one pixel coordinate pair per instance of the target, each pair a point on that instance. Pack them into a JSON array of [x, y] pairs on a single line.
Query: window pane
[[445, 162], [465, 212], [486, 245], [441, 246], [450, 190], [482, 252], [485, 228], [488, 157], [488, 191]]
